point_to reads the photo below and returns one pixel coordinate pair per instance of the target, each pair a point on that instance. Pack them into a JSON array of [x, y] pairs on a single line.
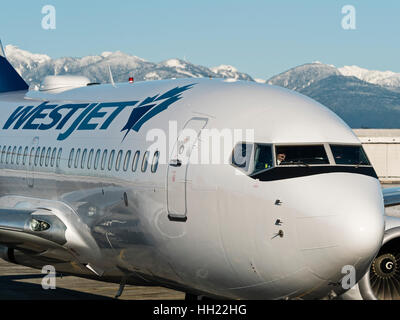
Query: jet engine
[[7, 254], [382, 281]]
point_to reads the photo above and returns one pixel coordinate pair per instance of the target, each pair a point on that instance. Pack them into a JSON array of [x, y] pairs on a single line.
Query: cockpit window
[[349, 155], [241, 155], [272, 162], [301, 155], [262, 158]]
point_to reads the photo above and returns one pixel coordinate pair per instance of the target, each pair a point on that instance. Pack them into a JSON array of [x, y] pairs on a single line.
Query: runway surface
[[392, 211], [22, 283]]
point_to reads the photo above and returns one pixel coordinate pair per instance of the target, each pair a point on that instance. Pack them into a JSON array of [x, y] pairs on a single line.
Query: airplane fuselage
[[156, 215]]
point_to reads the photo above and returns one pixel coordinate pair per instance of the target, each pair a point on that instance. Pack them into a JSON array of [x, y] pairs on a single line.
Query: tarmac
[[22, 283]]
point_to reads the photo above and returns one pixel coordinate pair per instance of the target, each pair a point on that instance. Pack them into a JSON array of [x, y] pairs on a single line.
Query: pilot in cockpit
[[280, 157]]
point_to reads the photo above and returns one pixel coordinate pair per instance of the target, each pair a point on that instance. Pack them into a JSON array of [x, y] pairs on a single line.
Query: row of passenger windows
[[105, 160], [44, 157], [102, 160]]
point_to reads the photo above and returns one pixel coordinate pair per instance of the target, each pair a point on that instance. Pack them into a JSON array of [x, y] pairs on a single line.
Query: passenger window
[[71, 157], [46, 163], [25, 156], [90, 158], [135, 161], [118, 162], [3, 153], [111, 160], [145, 161], [58, 157], [154, 164], [96, 159], [241, 155], [53, 157], [83, 162], [104, 159], [13, 155], [126, 161], [42, 156], [19, 154], [37, 156], [31, 155], [8, 155], [77, 157]]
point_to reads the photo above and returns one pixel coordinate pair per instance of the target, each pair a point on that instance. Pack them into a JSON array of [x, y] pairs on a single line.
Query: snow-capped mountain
[[359, 103], [34, 67], [230, 72], [361, 97], [303, 76], [24, 62], [382, 78]]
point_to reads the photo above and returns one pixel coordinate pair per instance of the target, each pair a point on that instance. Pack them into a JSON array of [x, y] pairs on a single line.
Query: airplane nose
[[340, 240], [364, 232], [348, 234]]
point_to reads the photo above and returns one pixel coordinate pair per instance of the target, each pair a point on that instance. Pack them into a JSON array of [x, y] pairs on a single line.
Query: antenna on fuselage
[[111, 76]]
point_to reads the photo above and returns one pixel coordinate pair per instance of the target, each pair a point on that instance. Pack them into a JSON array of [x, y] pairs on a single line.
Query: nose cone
[[344, 229]]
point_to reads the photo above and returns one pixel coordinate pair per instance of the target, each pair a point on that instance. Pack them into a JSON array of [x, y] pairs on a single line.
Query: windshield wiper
[[303, 163], [361, 163], [295, 162]]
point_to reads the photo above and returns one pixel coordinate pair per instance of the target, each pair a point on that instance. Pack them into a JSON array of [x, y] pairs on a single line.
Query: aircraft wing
[[40, 232], [391, 196]]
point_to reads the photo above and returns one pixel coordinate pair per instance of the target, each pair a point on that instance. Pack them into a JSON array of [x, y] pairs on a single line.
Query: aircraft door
[[178, 166]]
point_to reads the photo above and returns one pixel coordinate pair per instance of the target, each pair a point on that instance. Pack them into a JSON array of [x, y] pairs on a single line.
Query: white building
[[383, 149]]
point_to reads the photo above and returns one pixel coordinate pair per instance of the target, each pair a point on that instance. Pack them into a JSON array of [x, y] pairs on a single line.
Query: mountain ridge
[[34, 67], [362, 97]]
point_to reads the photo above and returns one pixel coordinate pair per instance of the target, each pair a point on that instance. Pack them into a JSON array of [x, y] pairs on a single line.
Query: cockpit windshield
[[349, 155], [263, 157], [273, 162], [244, 158], [301, 155]]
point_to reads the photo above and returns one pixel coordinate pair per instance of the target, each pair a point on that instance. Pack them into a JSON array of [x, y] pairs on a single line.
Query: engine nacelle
[[21, 258], [382, 280], [7, 254]]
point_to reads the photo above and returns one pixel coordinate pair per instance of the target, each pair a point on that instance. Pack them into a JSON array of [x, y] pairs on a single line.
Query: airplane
[[84, 187]]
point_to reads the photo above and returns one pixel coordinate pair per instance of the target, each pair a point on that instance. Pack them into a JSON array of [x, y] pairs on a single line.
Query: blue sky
[[259, 37]]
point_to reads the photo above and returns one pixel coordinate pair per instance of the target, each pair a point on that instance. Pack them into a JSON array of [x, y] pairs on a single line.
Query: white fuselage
[[228, 236]]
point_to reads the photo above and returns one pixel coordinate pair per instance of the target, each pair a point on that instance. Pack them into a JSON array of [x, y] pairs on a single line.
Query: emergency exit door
[[178, 167]]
